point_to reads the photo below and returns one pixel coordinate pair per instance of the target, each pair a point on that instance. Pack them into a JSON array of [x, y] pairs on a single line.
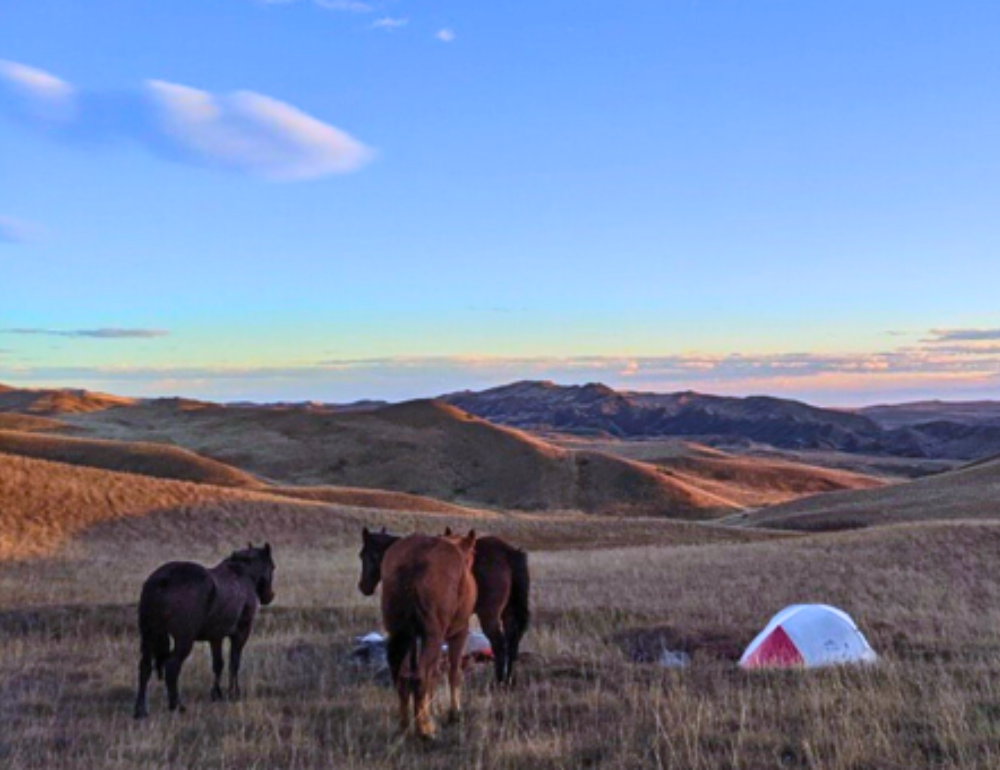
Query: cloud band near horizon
[[102, 334]]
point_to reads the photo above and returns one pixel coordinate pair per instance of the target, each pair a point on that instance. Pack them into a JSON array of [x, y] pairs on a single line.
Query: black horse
[[189, 603]]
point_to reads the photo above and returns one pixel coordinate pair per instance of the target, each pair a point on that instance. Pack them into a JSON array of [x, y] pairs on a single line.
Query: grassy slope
[[968, 493], [148, 459], [926, 595], [743, 481], [31, 423]]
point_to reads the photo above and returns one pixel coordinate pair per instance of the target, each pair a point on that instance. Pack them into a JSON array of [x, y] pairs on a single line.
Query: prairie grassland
[[928, 597]]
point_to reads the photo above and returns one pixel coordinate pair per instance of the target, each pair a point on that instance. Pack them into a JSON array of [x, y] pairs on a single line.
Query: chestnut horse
[[428, 595], [503, 581], [189, 603]]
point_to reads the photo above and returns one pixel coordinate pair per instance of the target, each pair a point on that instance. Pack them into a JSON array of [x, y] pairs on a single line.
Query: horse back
[[501, 573], [175, 599], [426, 580]]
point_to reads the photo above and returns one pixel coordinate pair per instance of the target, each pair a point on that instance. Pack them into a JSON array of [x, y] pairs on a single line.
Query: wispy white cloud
[[446, 35], [101, 334], [36, 96], [389, 23], [242, 131], [246, 131]]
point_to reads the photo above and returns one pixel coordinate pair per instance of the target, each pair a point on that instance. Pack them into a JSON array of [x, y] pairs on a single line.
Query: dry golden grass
[[928, 597], [148, 459], [31, 423], [972, 492], [76, 543], [741, 481]]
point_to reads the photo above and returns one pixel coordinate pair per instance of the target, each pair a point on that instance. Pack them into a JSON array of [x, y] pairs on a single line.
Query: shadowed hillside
[[972, 492]]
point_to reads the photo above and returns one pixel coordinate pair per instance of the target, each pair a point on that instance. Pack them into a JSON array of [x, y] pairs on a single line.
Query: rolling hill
[[410, 455], [148, 459], [424, 448], [54, 402], [48, 506], [972, 492]]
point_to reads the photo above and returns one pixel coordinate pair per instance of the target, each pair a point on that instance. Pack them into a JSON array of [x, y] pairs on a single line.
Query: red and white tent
[[808, 635]]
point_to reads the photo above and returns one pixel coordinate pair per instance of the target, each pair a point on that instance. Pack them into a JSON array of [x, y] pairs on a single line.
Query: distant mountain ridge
[[597, 409], [930, 429]]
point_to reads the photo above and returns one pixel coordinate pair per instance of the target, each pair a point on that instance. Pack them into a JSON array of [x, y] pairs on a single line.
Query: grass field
[[927, 596]]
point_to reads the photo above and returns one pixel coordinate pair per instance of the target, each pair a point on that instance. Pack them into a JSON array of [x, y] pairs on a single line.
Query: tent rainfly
[[810, 636]]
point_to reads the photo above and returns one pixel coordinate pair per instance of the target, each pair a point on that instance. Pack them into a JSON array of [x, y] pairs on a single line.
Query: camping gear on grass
[[370, 649], [809, 636]]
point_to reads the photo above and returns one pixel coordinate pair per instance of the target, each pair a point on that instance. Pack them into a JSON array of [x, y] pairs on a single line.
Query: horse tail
[[155, 642], [153, 625], [520, 588]]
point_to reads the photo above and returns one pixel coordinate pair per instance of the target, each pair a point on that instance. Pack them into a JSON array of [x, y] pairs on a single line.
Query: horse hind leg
[[494, 631], [175, 662], [456, 651], [145, 672], [513, 633], [428, 663], [398, 648], [218, 665]]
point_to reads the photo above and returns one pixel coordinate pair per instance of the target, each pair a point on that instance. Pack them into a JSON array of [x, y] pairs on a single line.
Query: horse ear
[[365, 534], [470, 539], [250, 545], [383, 530], [447, 532], [267, 550]]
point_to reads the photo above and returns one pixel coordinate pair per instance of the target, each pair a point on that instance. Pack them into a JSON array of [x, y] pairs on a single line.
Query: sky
[[342, 199]]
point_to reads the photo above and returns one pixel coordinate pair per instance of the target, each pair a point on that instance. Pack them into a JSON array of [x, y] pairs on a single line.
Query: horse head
[[467, 545], [258, 564], [374, 546]]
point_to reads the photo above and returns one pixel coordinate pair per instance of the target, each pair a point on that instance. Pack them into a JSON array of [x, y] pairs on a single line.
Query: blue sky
[[333, 200]]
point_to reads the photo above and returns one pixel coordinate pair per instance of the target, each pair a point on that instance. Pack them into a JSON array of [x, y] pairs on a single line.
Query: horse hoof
[[216, 695], [140, 714], [456, 717]]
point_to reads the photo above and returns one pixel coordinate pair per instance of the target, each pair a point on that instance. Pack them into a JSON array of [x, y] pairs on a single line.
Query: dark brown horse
[[503, 581], [189, 603], [428, 595]]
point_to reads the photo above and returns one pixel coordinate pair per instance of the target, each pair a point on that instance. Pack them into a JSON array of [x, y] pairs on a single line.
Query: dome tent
[[808, 635]]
